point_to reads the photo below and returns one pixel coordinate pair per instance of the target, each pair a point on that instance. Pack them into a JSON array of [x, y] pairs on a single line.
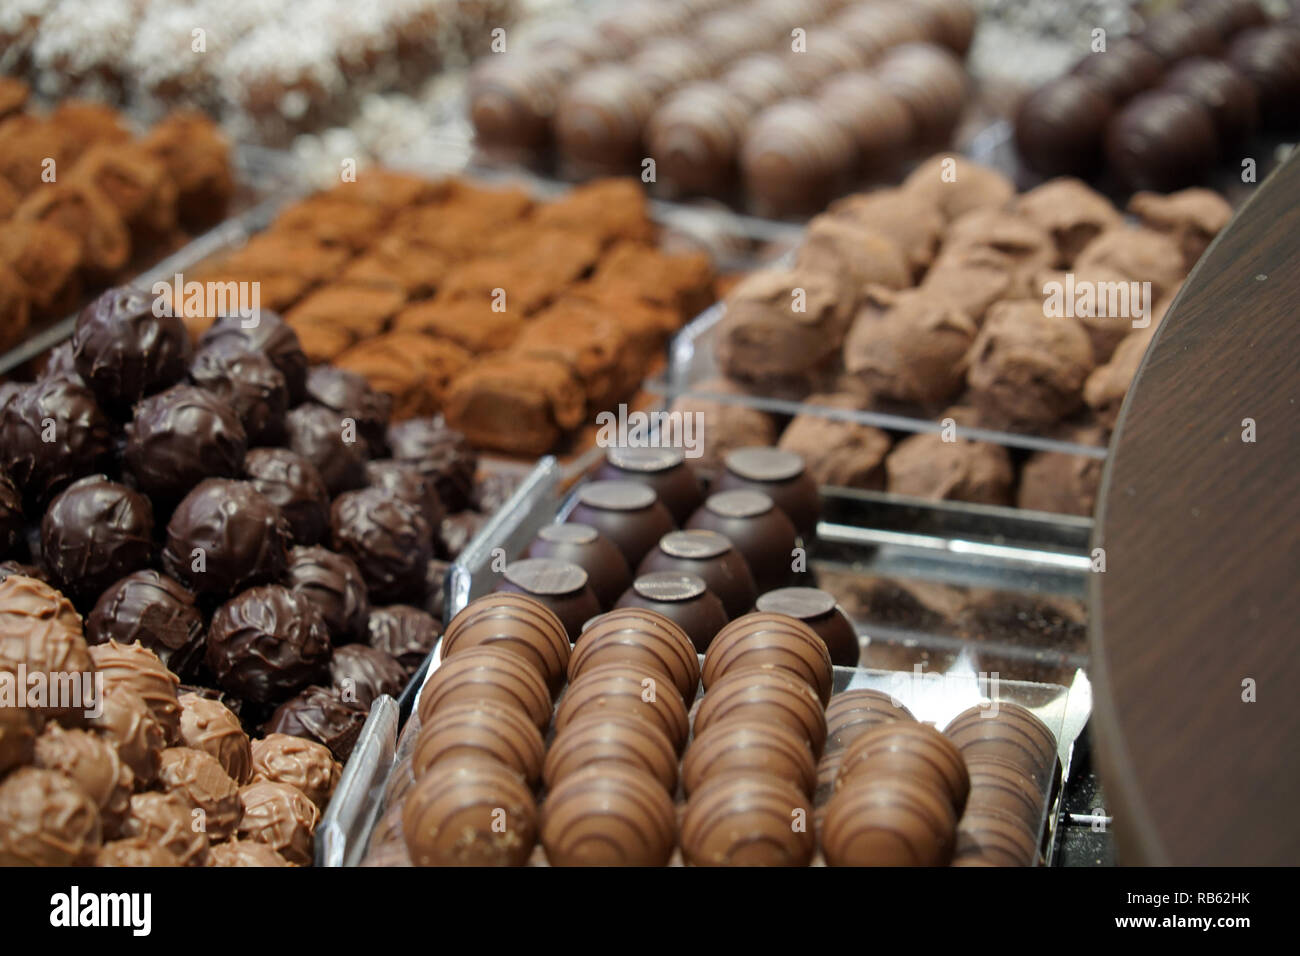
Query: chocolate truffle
[[514, 623], [46, 820], [502, 734], [1270, 58], [995, 836], [442, 454], [250, 384], [694, 136], [1071, 212], [584, 546], [334, 585], [1142, 255], [608, 816], [294, 485], [838, 452], [1001, 786], [756, 749], [180, 437], [25, 600], [211, 726], [854, 712], [130, 725], [487, 674], [266, 643], [627, 512], [404, 480], [280, 816], [225, 537], [453, 816], [94, 532], [403, 631], [626, 689], [1178, 34], [323, 715], [17, 737], [926, 466], [326, 439], [244, 853], [766, 695], [601, 740], [1007, 732], [710, 557], [1060, 128], [888, 822], [795, 157], [1120, 72], [199, 777], [1062, 483], [387, 538], [908, 750], [725, 424], [642, 639], [135, 851], [599, 118], [817, 610], [910, 221], [770, 641], [167, 819], [11, 518], [351, 396], [561, 587], [840, 247], [956, 186], [778, 474], [151, 609], [758, 529], [361, 673], [663, 469], [877, 119], [1001, 240], [1106, 387], [913, 352], [747, 821], [271, 336], [1230, 98], [82, 439], [1161, 140], [135, 668], [94, 765], [681, 597], [301, 763], [124, 351], [1192, 218], [931, 83]]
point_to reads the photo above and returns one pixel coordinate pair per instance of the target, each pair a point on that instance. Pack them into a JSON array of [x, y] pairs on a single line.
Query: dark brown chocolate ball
[[351, 396], [442, 454], [334, 585], [1123, 70], [1178, 34], [1162, 141], [179, 437], [11, 520], [1061, 127], [757, 528], [684, 599], [250, 384], [387, 538], [931, 83], [361, 673], [1229, 16], [95, 532], [583, 545], [332, 443], [780, 475], [558, 585], [711, 557], [224, 537], [627, 512], [599, 118], [663, 469], [795, 157], [817, 609], [156, 611], [320, 714], [271, 336], [403, 479], [292, 484], [267, 643], [1230, 97], [695, 136], [1270, 58], [65, 412], [405, 632]]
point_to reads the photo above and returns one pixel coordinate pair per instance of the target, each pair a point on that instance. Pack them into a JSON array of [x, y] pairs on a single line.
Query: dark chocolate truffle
[[442, 454], [361, 673], [514, 623], [1178, 34], [94, 532], [739, 820], [1060, 128], [267, 643], [292, 484], [250, 384], [758, 529], [11, 519], [560, 586], [405, 632], [627, 512], [351, 396], [323, 715], [333, 583], [1163, 141], [68, 414], [778, 474], [180, 437], [663, 469], [327, 440], [387, 538], [709, 556], [152, 609], [223, 537], [608, 816], [584, 546], [1124, 69], [1230, 97], [818, 610], [681, 597], [403, 479], [271, 336], [1270, 58]]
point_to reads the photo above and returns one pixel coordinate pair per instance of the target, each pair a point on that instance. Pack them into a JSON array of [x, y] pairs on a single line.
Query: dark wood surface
[[1202, 585]]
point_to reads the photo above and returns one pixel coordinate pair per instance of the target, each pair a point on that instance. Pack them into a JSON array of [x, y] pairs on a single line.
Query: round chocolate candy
[[331, 442], [280, 816], [1178, 34], [151, 609], [999, 785], [351, 396], [1162, 141], [301, 763], [627, 512], [909, 750], [46, 820], [123, 350], [873, 115], [18, 736], [94, 764], [888, 822], [167, 819], [211, 726], [511, 101], [818, 610], [1229, 16], [514, 623], [854, 712], [25, 599], [598, 740], [292, 484], [608, 816], [94, 532], [65, 412], [559, 586], [487, 674], [1230, 98], [1123, 70], [387, 538], [480, 729], [224, 537], [663, 469], [643, 639], [997, 837], [625, 689], [136, 851], [270, 335], [135, 668], [1007, 732], [1270, 58], [683, 599], [128, 722], [583, 545], [250, 384], [694, 136], [739, 820], [406, 632], [931, 83], [469, 812], [781, 476], [11, 519], [599, 118], [1061, 127], [361, 673], [266, 643], [323, 715], [332, 583], [766, 695], [201, 779], [179, 437], [759, 530], [443, 455], [795, 157], [758, 749], [773, 641], [403, 479], [711, 557]]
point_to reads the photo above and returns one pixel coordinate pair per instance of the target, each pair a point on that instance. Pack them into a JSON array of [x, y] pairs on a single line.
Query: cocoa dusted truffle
[[361, 673], [911, 221], [1162, 140], [46, 820], [865, 257], [298, 762], [1143, 255], [330, 442], [352, 397], [1108, 384], [926, 466], [837, 451], [82, 440], [224, 537], [271, 336], [267, 643], [405, 632], [294, 485], [956, 186], [1001, 240], [1062, 483], [250, 384], [1071, 212], [179, 437], [94, 765], [1060, 128], [211, 726], [280, 816], [151, 609], [135, 668], [320, 714], [333, 583], [201, 779], [387, 538], [442, 454], [94, 532], [1192, 218]]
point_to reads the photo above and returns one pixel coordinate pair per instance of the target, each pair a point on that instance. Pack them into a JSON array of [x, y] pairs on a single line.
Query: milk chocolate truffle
[[210, 726], [50, 648], [911, 221], [128, 723], [627, 512], [480, 729], [854, 712], [266, 643], [321, 714], [766, 695], [931, 83], [1270, 58], [25, 599], [403, 479], [1228, 95], [403, 631], [626, 689], [783, 327], [294, 485], [758, 529], [244, 853], [725, 424], [361, 674], [888, 822], [909, 750], [611, 740], [681, 597], [864, 256], [913, 352], [180, 437], [956, 186], [487, 674], [561, 587], [200, 777], [167, 819], [997, 837], [876, 118], [514, 623], [442, 454], [351, 396], [1161, 140], [270, 336], [1062, 483], [817, 610], [756, 749], [795, 157], [1001, 786], [1192, 218], [838, 452], [298, 762], [224, 537], [135, 851], [1061, 127], [642, 639], [584, 546], [17, 737], [280, 816], [1071, 212], [926, 466], [663, 469], [46, 820], [94, 532], [774, 641], [250, 384], [82, 439], [609, 815], [334, 585], [326, 439], [387, 538], [1142, 255], [135, 668], [599, 118], [151, 609], [1007, 732], [453, 816], [709, 556], [94, 765], [739, 820]]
